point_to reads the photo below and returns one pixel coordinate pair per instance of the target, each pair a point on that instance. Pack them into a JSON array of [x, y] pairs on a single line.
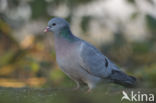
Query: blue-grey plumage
[[81, 61]]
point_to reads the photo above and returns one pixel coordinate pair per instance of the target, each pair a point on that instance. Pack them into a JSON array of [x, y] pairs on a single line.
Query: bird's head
[[57, 25]]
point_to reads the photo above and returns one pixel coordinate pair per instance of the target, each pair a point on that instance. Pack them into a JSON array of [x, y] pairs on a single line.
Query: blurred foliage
[[71, 2], [85, 23], [38, 8], [134, 15], [131, 1], [151, 23]]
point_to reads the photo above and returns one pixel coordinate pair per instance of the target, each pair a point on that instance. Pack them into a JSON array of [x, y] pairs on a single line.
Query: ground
[[66, 95]]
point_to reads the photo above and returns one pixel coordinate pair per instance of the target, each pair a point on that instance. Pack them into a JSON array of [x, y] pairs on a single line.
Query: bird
[[81, 61]]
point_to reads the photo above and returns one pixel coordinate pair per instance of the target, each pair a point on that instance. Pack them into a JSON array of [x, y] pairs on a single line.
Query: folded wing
[[93, 61]]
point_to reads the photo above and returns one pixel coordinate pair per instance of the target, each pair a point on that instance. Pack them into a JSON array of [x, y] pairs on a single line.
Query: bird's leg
[[77, 85], [90, 87]]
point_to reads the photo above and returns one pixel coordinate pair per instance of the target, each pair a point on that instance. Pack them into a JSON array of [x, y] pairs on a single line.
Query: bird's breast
[[66, 58], [66, 55]]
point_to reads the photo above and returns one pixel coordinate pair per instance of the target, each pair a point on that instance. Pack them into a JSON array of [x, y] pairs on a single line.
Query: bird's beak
[[46, 29]]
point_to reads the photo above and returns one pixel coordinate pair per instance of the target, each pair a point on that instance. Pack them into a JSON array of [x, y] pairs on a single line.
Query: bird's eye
[[54, 24]]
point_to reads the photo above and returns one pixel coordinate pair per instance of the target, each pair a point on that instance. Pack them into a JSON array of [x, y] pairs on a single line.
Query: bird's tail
[[121, 78]]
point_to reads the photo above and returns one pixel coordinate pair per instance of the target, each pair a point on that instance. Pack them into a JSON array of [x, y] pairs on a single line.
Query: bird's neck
[[65, 34], [64, 40]]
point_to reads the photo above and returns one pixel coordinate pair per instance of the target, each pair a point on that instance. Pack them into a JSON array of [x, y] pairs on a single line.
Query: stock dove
[[81, 61]]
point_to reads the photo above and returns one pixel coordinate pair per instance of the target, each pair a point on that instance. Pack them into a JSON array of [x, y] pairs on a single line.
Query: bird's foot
[[77, 86], [89, 90]]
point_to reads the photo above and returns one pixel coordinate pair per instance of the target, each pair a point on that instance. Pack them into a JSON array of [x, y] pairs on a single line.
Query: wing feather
[[93, 61]]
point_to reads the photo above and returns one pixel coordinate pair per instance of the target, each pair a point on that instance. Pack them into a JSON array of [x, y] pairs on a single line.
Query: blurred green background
[[124, 30]]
